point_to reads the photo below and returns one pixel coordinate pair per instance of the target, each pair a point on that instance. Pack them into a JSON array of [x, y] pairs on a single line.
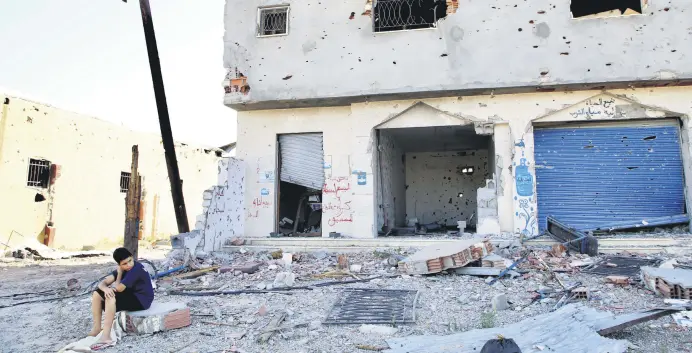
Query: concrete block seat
[[159, 317]]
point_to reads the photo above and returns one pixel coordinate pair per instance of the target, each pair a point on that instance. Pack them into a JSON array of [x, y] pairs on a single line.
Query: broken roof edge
[[346, 100]]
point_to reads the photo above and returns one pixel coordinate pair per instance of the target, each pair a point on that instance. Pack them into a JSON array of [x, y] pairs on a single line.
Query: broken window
[[124, 181], [39, 173], [272, 21], [582, 8], [400, 15]]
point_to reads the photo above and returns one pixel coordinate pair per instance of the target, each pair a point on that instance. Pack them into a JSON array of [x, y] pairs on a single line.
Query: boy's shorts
[[124, 301]]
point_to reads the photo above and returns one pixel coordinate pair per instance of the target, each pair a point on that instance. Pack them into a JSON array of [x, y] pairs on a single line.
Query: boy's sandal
[[102, 345]]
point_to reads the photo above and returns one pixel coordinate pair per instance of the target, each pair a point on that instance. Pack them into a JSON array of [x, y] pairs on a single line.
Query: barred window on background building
[[272, 21], [124, 181], [38, 174], [401, 15]]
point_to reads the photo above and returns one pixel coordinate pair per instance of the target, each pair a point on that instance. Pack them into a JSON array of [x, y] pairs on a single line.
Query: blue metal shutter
[[592, 175], [302, 160]]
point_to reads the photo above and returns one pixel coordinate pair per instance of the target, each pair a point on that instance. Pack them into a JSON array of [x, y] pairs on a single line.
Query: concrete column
[[502, 140]]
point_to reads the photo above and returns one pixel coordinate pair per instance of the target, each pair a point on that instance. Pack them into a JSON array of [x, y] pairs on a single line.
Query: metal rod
[[164, 119]]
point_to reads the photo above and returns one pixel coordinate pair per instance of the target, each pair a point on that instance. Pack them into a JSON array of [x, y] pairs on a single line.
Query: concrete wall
[[393, 183], [348, 135], [88, 207], [485, 45], [435, 181]]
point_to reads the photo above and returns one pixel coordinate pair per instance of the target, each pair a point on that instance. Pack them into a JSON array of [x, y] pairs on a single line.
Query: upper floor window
[[272, 21], [401, 15], [601, 8], [38, 174]]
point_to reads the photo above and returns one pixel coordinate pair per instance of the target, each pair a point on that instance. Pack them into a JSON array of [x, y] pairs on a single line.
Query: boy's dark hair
[[121, 254]]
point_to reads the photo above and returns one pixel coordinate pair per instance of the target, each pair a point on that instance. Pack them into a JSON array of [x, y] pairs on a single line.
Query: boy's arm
[[119, 287], [103, 285]]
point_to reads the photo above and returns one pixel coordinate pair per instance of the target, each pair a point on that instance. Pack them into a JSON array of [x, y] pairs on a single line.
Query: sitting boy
[[127, 288]]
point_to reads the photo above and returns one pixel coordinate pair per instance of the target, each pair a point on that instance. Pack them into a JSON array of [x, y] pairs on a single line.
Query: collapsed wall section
[[223, 214]]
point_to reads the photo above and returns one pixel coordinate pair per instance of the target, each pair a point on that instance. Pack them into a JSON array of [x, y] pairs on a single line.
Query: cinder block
[[159, 317]]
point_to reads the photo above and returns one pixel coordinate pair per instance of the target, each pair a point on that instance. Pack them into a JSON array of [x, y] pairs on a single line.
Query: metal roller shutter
[[592, 175], [302, 160]]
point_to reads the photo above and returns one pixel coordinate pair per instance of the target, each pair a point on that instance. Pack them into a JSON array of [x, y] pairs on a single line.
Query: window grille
[[39, 173], [272, 21], [124, 181], [400, 15]]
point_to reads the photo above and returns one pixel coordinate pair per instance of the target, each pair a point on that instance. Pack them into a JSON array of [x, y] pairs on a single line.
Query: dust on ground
[[447, 304]]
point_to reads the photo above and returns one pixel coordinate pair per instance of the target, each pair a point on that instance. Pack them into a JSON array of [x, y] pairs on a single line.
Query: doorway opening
[[301, 177], [429, 178]]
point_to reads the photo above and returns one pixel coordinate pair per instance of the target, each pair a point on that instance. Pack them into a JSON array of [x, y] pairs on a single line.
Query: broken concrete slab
[[439, 257], [159, 317], [672, 283], [572, 328]]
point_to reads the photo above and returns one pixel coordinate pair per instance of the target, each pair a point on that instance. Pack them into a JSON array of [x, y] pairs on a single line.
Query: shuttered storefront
[[302, 159], [597, 174]]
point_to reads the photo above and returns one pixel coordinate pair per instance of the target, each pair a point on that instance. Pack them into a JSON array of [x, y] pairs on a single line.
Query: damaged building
[[370, 117], [64, 177]]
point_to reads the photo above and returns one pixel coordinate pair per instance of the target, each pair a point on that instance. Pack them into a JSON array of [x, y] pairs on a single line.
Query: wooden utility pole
[[132, 205]]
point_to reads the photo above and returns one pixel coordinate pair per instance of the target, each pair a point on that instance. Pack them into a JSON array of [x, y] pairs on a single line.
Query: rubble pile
[[249, 301]]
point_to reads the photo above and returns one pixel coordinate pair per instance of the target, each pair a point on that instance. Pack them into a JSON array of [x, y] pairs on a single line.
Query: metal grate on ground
[[624, 266], [374, 306]]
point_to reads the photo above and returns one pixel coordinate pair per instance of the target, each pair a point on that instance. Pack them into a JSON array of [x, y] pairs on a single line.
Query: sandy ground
[[447, 304]]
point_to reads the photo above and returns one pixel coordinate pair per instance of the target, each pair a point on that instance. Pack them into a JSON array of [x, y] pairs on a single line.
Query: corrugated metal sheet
[[302, 160], [592, 175]]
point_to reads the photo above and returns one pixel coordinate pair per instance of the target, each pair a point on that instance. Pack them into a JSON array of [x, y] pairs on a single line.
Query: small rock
[[272, 267], [262, 286], [262, 311], [547, 300], [518, 308], [378, 329], [243, 250], [237, 272], [284, 279], [287, 258], [356, 268], [500, 302], [315, 324]]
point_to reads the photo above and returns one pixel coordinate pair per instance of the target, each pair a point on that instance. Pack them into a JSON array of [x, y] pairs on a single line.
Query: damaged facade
[[64, 177], [487, 116]]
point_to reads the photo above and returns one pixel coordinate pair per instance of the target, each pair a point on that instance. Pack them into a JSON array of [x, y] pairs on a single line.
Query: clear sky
[[89, 56]]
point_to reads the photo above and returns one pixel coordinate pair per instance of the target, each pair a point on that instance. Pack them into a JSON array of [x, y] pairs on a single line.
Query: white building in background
[[371, 114], [66, 174]]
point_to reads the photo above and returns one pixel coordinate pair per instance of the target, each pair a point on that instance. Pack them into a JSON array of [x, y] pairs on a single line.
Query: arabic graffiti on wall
[[258, 203], [336, 209], [525, 201], [595, 109]]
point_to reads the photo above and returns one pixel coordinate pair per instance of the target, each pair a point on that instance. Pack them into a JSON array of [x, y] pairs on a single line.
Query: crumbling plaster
[[483, 46], [349, 139]]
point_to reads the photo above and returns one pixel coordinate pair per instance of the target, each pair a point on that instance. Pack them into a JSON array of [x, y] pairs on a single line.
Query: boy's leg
[[108, 320], [96, 308]]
